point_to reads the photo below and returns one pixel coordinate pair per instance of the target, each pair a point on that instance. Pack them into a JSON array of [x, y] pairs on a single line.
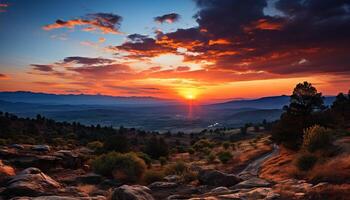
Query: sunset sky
[[203, 49]]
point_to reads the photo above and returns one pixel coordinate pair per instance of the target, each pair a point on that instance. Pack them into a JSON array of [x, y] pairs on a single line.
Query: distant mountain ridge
[[80, 99], [272, 102]]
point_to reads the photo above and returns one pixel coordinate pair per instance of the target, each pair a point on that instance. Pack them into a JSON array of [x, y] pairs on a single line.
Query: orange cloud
[[105, 22]]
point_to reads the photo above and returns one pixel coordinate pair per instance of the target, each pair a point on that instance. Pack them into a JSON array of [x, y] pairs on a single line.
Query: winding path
[[253, 168]]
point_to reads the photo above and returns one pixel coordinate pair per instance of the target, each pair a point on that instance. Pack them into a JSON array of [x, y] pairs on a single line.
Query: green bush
[[211, 157], [95, 145], [224, 156], [178, 168], [181, 169], [306, 162], [191, 151], [156, 147], [151, 176], [145, 158], [226, 145], [126, 167], [316, 138], [203, 143], [118, 143]]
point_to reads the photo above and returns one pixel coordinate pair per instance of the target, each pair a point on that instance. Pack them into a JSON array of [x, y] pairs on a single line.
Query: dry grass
[[336, 170], [279, 167], [330, 192]]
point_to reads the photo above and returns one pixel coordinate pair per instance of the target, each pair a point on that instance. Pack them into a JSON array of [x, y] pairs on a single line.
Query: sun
[[189, 93]]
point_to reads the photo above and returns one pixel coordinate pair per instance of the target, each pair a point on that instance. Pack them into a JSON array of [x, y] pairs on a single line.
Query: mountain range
[[144, 112]]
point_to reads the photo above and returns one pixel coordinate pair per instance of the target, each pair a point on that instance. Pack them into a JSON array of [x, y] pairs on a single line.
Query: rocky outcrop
[[132, 192], [30, 182], [217, 178]]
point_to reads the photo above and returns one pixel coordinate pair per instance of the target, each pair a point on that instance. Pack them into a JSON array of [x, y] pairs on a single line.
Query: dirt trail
[[253, 168]]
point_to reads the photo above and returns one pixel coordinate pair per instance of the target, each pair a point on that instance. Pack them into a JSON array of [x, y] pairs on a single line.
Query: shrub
[[306, 162], [178, 168], [181, 169], [226, 145], [316, 138], [145, 158], [95, 145], [203, 143], [163, 160], [151, 176], [224, 156], [118, 143], [211, 157], [124, 167], [156, 147], [191, 151]]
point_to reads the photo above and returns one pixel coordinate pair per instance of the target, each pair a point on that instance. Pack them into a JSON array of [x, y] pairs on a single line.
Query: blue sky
[[23, 41]]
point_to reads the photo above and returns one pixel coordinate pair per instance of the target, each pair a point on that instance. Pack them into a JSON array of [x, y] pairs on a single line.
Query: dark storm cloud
[[169, 18], [105, 22], [238, 35], [87, 60]]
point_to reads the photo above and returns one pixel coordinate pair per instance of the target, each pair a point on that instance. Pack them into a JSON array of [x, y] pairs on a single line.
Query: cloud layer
[[235, 40]]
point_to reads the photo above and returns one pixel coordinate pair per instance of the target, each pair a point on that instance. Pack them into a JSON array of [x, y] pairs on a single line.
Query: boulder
[[30, 182], [217, 178], [6, 172], [132, 192], [69, 159], [220, 190], [159, 185], [252, 183], [17, 146], [172, 178], [41, 148], [258, 193]]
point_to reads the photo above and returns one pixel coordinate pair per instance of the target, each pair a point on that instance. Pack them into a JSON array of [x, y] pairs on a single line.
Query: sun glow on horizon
[[189, 93]]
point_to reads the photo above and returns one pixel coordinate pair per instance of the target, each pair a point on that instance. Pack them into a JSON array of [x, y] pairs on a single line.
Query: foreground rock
[[30, 182], [5, 172], [162, 185], [132, 192], [59, 198], [258, 193], [217, 178], [252, 183]]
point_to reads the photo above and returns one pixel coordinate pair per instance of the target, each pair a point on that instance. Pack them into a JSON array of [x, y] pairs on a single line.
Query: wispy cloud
[[106, 23], [168, 18]]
